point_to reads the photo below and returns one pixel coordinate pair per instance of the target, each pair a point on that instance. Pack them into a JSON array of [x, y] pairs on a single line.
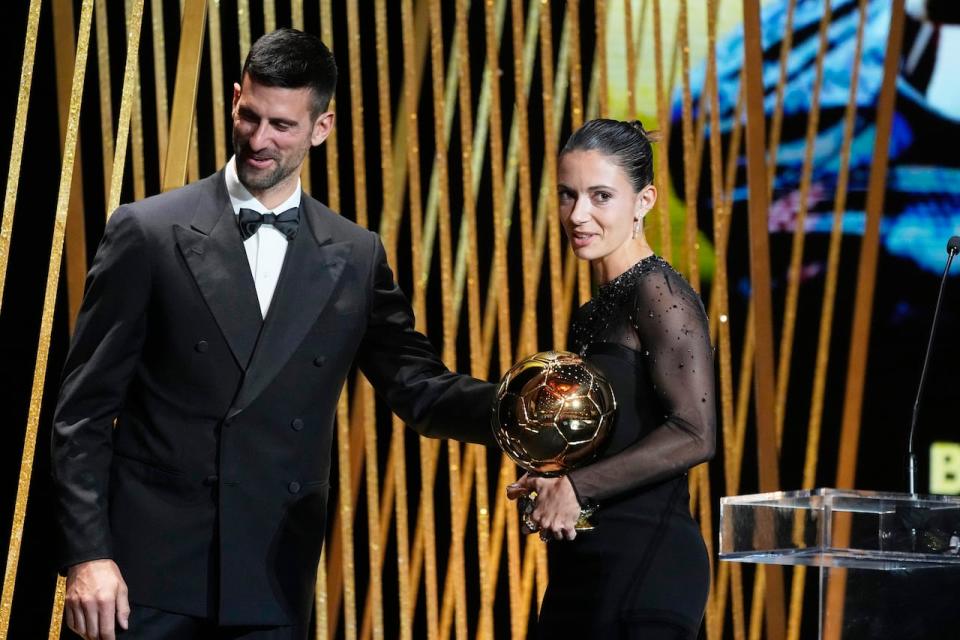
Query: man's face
[[273, 130]]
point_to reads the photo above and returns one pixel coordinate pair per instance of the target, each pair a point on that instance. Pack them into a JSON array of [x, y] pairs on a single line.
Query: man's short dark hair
[[293, 59]]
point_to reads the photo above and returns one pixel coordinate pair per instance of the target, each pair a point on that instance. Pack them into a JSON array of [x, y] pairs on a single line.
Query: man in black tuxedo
[[219, 324]]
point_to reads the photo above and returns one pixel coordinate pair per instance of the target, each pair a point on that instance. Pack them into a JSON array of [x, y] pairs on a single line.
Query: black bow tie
[[286, 223]]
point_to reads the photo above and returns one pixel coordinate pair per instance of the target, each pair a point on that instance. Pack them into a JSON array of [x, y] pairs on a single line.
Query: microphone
[[953, 248]]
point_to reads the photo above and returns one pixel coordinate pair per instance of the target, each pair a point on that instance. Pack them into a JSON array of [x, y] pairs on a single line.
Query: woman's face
[[598, 206]]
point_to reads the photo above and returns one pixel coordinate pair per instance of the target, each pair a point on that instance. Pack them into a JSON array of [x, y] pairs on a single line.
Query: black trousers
[[154, 624]]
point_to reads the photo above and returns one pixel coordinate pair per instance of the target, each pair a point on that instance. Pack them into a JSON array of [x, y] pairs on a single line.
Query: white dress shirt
[[267, 247]]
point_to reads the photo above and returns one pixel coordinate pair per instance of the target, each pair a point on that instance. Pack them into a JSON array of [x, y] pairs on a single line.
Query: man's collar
[[241, 198]]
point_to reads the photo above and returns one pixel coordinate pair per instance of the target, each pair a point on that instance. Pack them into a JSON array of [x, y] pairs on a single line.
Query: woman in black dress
[[643, 572]]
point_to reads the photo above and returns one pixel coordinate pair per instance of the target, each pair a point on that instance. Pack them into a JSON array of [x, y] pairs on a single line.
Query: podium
[[889, 563]]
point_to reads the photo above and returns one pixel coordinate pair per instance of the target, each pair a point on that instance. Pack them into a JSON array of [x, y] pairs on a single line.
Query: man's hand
[[96, 598]]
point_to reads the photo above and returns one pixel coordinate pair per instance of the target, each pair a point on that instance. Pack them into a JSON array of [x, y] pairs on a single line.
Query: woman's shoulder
[[660, 285]]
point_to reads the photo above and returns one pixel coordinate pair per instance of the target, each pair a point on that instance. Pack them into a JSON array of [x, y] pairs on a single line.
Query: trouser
[[154, 624]]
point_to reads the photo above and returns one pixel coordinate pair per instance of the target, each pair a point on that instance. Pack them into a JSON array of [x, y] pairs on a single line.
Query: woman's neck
[[613, 264]]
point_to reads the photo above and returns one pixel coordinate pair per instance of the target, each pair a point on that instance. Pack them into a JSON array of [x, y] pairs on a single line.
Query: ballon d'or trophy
[[552, 413]]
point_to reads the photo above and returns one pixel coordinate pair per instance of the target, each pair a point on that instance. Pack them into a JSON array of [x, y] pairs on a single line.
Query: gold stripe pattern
[[182, 119], [49, 305], [19, 132], [126, 106], [106, 98], [481, 187]]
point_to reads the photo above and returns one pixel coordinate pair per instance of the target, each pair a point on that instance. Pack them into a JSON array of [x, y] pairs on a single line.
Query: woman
[[644, 571]]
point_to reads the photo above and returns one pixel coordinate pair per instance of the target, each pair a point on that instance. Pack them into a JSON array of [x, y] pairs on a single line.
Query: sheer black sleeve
[[667, 324]]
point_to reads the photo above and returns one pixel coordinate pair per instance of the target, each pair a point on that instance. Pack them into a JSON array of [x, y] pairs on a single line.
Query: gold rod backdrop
[[46, 322], [478, 318]]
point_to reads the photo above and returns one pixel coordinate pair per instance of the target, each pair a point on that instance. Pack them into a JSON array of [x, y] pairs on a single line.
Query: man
[[219, 324]]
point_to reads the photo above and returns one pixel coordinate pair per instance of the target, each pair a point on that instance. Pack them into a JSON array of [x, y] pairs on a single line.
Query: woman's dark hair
[[626, 143], [293, 59]]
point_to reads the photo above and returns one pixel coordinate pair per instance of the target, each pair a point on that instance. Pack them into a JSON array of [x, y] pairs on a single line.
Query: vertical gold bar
[[340, 575], [56, 614], [346, 518], [296, 18], [126, 105], [243, 25], [760, 289], [374, 588], [449, 337], [416, 212], [829, 297], [603, 93], [136, 115], [473, 293], [867, 269], [193, 161], [360, 203], [49, 300], [378, 513], [690, 181], [402, 527], [321, 630], [796, 254], [631, 59], [64, 52], [106, 97], [663, 123], [356, 111], [790, 306], [720, 220], [576, 117], [333, 170], [550, 179], [409, 584], [217, 86], [184, 94], [159, 74], [866, 283], [527, 340], [501, 281], [296, 14], [269, 16], [386, 134]]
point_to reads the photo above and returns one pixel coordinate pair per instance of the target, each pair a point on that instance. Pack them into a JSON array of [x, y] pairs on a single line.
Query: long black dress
[[643, 572]]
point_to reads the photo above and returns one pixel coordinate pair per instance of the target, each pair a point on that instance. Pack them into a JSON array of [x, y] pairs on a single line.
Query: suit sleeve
[[405, 369], [103, 356]]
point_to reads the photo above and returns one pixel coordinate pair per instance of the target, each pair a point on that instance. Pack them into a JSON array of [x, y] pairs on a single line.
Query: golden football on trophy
[[552, 412]]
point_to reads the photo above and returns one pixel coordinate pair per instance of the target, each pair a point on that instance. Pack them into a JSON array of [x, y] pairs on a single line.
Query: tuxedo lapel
[[311, 271], [213, 250]]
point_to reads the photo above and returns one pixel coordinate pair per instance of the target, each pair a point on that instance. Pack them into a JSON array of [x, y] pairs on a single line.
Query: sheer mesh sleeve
[[668, 320]]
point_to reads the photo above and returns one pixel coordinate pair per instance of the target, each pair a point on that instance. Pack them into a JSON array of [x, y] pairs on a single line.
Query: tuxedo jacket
[[192, 438]]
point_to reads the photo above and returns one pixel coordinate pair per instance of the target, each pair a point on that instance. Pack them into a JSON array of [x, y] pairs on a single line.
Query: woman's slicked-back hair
[[626, 143], [293, 59]]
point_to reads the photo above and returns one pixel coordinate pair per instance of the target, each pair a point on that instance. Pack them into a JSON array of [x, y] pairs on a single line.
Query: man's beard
[[257, 181]]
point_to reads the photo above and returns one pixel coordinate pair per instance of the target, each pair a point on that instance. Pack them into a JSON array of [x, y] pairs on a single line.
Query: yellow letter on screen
[[945, 468]]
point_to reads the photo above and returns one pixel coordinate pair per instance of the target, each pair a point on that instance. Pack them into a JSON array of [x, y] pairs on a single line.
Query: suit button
[[319, 361], [297, 424], [202, 346], [294, 487], [210, 480]]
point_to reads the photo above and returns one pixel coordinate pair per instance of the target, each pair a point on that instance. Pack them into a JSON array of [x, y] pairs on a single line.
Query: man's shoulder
[[340, 227], [177, 206]]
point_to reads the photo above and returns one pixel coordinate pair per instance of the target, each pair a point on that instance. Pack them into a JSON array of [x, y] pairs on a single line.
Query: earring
[[636, 228]]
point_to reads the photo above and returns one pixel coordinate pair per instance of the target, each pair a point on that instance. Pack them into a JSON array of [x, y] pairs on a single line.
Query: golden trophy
[[552, 413]]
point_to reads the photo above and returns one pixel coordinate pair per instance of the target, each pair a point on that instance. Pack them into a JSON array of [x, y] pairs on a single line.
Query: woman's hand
[[555, 507]]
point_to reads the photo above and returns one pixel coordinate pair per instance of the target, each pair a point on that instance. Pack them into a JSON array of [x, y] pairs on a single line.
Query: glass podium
[[889, 563]]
